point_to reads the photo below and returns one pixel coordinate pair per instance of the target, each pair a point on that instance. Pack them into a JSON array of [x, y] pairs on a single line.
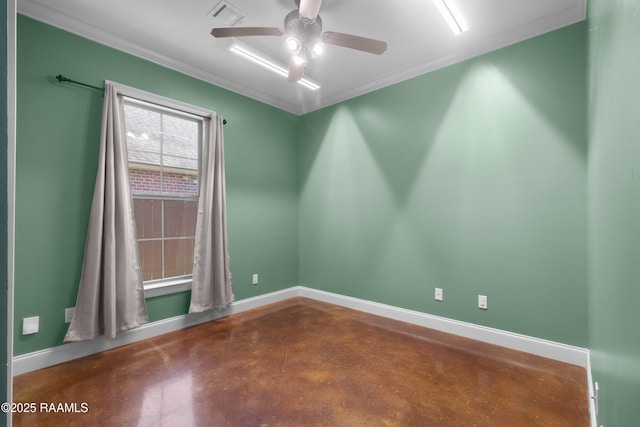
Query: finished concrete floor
[[302, 362]]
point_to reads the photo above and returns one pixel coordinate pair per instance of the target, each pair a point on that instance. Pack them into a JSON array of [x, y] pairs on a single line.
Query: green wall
[[4, 302], [58, 131], [471, 178], [614, 208]]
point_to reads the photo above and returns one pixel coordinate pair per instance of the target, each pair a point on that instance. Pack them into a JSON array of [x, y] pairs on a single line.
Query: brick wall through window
[[148, 182]]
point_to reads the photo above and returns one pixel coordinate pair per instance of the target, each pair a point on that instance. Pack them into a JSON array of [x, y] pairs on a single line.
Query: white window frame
[[137, 96]]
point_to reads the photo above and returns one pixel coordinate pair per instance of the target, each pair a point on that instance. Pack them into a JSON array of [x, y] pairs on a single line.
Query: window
[[164, 163]]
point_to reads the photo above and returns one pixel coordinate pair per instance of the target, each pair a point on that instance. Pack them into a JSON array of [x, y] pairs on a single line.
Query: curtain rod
[[62, 78]]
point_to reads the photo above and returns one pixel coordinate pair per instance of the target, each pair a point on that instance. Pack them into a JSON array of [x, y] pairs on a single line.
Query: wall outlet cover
[[30, 325], [482, 302], [438, 294]]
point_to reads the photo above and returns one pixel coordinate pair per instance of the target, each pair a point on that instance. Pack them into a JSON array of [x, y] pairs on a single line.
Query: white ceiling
[[176, 34]]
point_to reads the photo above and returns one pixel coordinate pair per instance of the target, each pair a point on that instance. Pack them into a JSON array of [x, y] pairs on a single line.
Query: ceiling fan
[[303, 28]]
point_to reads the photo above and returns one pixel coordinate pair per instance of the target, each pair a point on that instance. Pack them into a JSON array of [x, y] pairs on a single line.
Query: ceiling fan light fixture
[[451, 13], [318, 49], [293, 45], [298, 59], [245, 51]]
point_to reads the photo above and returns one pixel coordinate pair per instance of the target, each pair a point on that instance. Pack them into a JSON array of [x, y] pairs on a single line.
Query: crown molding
[[545, 24], [571, 15], [65, 22]]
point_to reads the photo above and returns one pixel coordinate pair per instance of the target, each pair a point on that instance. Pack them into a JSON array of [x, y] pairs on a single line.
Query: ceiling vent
[[227, 13]]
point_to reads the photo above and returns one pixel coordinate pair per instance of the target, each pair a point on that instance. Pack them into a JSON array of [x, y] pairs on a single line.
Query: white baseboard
[[593, 412], [552, 350], [63, 353]]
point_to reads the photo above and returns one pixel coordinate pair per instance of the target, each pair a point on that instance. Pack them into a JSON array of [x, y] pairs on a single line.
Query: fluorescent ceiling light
[[254, 56], [451, 13]]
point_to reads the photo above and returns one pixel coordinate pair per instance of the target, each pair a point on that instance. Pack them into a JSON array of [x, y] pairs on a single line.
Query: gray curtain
[[111, 296], [212, 287]]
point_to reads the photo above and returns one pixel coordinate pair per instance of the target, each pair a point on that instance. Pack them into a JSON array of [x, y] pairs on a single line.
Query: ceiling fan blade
[[309, 9], [364, 44], [246, 31], [296, 70]]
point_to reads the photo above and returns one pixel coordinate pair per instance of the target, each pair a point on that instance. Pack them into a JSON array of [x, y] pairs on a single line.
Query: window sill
[[167, 287]]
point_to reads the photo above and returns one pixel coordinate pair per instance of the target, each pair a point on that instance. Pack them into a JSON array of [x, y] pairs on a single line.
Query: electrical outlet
[[68, 314], [482, 302], [438, 295], [255, 279], [30, 325]]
